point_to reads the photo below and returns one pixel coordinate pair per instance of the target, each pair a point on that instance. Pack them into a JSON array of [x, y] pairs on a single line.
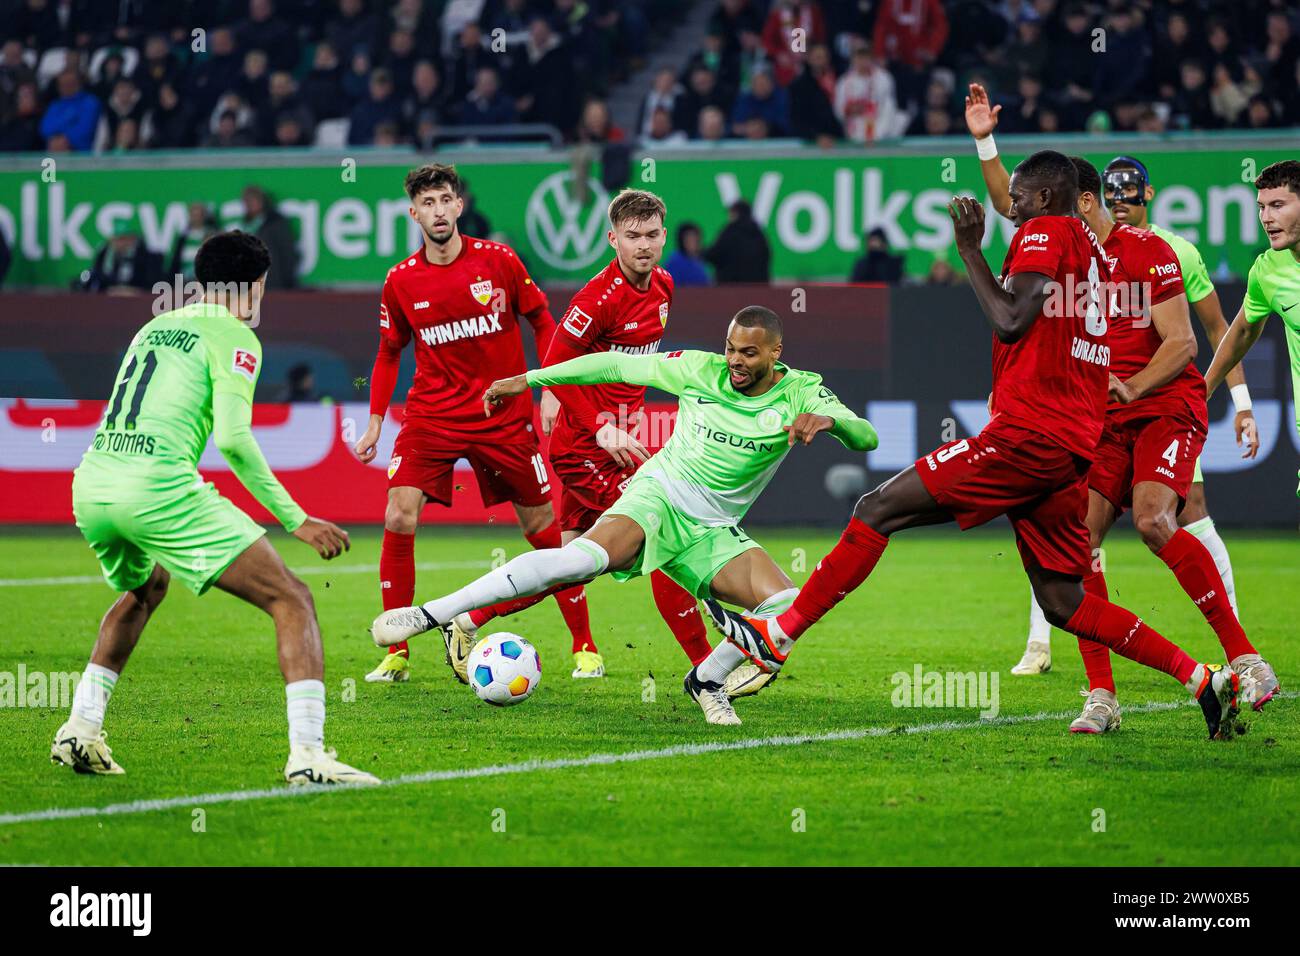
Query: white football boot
[[460, 636], [85, 752], [1258, 682], [1036, 660], [747, 680], [401, 624], [1100, 713], [712, 699], [308, 765]]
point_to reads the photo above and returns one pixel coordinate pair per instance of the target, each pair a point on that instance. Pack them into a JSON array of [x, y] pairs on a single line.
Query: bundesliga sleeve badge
[[577, 322], [245, 363]]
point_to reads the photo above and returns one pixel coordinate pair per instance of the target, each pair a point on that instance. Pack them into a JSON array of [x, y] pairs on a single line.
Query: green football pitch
[[827, 768]]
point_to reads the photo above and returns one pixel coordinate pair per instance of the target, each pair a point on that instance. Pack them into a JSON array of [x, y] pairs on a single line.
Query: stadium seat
[[333, 133], [130, 60], [51, 64]]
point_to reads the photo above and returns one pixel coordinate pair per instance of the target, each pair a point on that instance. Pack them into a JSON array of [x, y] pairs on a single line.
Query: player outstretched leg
[[1037, 658], [900, 502], [460, 634], [767, 641], [543, 532], [612, 544], [903, 502], [1070, 608], [80, 742], [397, 574]]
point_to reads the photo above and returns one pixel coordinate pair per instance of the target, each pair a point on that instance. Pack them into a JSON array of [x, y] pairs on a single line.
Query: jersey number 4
[[137, 396]]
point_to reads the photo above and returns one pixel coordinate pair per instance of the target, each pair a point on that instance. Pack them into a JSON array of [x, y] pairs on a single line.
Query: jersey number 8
[[1094, 321]]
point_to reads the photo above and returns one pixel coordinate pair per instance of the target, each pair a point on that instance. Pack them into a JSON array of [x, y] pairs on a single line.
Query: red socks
[[1096, 657], [1123, 632], [1194, 568], [482, 615], [572, 599], [397, 576], [850, 562], [681, 612]]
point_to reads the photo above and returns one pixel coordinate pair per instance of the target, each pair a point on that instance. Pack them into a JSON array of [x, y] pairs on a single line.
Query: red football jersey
[[1146, 271], [464, 318], [609, 314], [1054, 380]]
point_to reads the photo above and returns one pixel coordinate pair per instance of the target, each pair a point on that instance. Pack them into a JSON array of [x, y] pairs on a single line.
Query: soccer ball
[[504, 669]]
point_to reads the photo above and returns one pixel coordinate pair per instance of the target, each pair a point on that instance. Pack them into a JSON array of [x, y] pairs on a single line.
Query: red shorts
[[1162, 449], [1009, 470], [424, 459], [591, 483]]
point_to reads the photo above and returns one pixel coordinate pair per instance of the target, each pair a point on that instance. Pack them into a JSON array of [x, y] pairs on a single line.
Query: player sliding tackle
[[738, 415], [623, 308], [142, 506], [1050, 382], [1127, 194], [1155, 426]]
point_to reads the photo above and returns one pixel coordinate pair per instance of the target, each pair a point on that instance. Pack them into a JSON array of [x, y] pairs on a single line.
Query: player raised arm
[[981, 120], [232, 433], [1010, 311], [394, 333]]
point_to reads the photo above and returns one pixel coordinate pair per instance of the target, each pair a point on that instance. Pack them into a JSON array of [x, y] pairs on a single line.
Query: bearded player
[[1050, 382], [738, 415], [460, 299], [1155, 427], [593, 451], [1273, 284], [1128, 193]]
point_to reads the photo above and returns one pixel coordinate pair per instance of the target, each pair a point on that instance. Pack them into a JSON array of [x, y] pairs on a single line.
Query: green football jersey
[[1273, 285], [1196, 278], [159, 416], [726, 445]]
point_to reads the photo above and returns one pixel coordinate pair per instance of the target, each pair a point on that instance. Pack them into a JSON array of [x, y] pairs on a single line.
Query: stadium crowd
[[138, 74]]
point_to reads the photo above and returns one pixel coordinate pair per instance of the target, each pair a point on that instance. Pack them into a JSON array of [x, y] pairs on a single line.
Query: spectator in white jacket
[[865, 102]]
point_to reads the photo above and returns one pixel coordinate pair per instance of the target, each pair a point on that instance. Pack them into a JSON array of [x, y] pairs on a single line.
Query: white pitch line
[[532, 766], [309, 570]]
